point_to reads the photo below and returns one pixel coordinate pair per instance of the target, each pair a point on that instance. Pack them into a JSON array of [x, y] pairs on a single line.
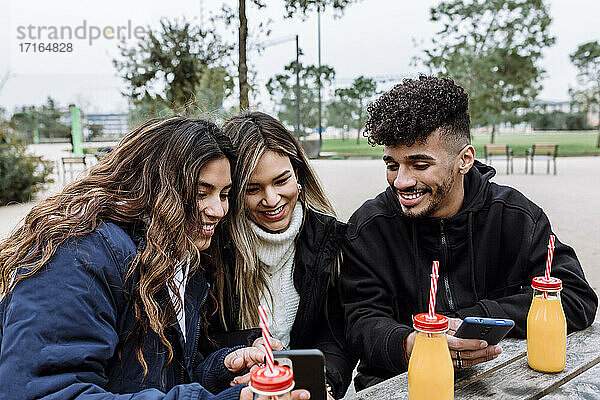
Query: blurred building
[[106, 126]]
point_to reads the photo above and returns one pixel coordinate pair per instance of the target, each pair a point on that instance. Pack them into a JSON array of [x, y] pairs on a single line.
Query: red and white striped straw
[[433, 290], [264, 326], [550, 256], [262, 312]]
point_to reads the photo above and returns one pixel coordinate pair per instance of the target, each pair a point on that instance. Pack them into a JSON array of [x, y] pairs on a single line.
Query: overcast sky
[[372, 38]]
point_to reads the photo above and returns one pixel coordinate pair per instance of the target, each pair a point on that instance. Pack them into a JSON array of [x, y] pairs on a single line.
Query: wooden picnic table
[[509, 376]]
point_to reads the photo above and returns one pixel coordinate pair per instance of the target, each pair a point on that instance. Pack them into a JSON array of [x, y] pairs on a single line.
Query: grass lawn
[[569, 142]]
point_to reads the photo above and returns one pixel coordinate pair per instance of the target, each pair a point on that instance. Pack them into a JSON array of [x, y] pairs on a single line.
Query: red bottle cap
[[547, 285], [262, 382], [438, 324]]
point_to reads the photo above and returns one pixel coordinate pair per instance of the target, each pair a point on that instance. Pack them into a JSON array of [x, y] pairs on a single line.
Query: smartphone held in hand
[[492, 330], [308, 366]]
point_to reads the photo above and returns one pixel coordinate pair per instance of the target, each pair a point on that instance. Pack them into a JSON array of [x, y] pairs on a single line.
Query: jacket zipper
[[302, 312], [197, 335], [182, 369], [445, 261]]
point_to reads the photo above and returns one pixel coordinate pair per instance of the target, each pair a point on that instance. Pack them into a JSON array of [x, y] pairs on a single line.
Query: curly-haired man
[[440, 205]]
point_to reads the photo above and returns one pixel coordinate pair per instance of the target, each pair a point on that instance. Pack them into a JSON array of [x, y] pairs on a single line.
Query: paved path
[[571, 199]]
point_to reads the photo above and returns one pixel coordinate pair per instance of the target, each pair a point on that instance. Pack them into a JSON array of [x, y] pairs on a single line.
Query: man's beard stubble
[[436, 200]]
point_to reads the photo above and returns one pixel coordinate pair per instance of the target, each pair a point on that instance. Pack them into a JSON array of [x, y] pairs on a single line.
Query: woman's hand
[[260, 344], [242, 360], [246, 394]]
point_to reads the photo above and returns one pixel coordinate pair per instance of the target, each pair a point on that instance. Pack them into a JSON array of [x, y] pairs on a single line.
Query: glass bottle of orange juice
[[272, 386], [430, 370], [546, 327]]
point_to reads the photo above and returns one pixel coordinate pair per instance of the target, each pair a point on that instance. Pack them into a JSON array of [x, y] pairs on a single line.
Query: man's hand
[[410, 343], [246, 394], [260, 344], [453, 324], [471, 351]]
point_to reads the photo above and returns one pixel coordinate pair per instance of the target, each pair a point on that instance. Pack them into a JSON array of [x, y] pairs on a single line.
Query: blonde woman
[[285, 250]]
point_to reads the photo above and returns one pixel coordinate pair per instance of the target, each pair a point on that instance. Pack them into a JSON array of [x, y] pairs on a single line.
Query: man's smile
[[412, 197]]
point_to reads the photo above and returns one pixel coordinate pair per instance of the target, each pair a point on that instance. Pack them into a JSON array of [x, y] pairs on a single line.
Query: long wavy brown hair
[[253, 134], [149, 179]]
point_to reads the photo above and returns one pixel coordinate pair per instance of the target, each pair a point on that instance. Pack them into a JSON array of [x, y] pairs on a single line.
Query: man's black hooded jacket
[[488, 253]]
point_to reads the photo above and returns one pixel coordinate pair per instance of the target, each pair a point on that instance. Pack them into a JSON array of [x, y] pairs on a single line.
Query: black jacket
[[319, 321], [488, 252]]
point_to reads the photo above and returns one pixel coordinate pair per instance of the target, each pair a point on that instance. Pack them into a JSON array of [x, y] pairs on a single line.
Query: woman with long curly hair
[[285, 250], [102, 286]]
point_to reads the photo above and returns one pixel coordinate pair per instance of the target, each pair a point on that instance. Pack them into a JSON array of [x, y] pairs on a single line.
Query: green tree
[[45, 118], [242, 54], [148, 107], [282, 88], [215, 86], [492, 48], [5, 126], [167, 66], [49, 118], [295, 7], [21, 175], [292, 7], [26, 120], [229, 15], [356, 97], [587, 61], [339, 114], [556, 120]]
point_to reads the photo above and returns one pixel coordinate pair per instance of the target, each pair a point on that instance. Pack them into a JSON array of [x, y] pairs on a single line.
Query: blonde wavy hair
[[151, 179], [253, 134]]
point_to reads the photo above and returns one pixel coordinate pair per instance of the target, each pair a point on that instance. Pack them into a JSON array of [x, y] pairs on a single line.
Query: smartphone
[[308, 366], [492, 330]]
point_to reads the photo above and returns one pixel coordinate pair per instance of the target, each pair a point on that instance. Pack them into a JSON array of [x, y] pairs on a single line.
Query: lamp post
[[319, 80], [297, 88]]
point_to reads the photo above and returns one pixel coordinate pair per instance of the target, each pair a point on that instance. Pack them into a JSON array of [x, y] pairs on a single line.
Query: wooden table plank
[[508, 376], [518, 381], [512, 350], [585, 386], [397, 387]]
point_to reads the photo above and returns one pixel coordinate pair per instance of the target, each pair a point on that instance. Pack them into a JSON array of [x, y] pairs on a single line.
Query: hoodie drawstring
[[472, 256], [423, 303]]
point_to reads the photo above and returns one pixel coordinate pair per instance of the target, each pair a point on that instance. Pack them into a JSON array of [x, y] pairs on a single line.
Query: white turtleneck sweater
[[277, 251]]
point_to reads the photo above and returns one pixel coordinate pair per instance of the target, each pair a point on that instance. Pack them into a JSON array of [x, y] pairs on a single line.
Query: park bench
[[509, 377], [71, 163], [547, 151], [499, 150]]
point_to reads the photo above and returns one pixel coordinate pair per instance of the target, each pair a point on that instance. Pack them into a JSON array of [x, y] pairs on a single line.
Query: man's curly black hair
[[411, 111]]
